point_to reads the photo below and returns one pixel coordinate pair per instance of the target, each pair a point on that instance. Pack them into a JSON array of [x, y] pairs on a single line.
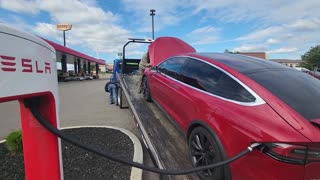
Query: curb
[[136, 174], [2, 141]]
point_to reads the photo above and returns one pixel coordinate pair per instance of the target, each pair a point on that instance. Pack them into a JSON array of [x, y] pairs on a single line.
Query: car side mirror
[[155, 68]]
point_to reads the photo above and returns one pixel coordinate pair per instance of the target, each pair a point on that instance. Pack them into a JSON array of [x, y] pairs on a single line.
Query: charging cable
[[30, 103]]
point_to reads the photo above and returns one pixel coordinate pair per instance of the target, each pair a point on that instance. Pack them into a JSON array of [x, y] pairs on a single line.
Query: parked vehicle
[[315, 73], [302, 69], [61, 78], [88, 77], [225, 102], [74, 78]]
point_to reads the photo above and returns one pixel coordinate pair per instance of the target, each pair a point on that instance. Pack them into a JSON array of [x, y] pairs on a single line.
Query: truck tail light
[[291, 153]]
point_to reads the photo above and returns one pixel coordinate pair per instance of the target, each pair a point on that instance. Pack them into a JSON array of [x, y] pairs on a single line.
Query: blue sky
[[283, 28]]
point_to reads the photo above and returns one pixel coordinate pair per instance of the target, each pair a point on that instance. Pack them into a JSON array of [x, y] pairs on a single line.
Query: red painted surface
[[67, 50], [164, 47], [237, 125], [8, 58], [317, 121], [289, 115], [40, 147], [312, 171], [314, 74], [28, 65], [8, 63]]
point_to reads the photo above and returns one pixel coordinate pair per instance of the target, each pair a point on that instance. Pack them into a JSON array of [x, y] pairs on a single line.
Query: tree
[[227, 51], [311, 59]]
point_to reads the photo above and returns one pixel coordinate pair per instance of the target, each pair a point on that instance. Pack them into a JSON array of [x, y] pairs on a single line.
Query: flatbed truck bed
[[163, 139]]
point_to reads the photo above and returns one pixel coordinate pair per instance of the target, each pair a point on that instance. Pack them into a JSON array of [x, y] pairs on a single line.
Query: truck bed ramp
[[165, 142]]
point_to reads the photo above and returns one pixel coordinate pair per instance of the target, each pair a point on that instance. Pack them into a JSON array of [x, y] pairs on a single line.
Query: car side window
[[200, 75], [231, 89], [172, 66], [210, 79]]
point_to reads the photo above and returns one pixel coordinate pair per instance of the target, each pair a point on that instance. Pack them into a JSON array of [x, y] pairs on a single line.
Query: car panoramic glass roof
[[297, 89], [242, 63]]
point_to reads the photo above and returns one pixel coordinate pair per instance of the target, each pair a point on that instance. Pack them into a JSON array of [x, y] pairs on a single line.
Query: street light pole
[[64, 38], [64, 27], [152, 13]]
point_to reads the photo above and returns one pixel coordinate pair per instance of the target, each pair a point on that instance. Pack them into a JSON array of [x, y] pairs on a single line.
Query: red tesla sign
[[9, 64]]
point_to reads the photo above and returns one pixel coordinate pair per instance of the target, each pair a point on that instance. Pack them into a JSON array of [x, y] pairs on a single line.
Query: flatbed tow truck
[[163, 139]]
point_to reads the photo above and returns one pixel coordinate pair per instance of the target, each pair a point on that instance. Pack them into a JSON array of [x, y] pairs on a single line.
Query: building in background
[[287, 62], [261, 55], [102, 67], [109, 67]]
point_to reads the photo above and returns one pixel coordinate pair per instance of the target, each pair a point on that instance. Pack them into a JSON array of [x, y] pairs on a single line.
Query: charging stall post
[[28, 71]]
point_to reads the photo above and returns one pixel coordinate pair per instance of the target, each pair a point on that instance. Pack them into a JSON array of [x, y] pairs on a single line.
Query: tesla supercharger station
[[28, 70]]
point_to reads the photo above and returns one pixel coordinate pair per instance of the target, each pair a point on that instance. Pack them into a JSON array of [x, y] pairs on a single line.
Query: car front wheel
[[205, 151], [146, 90]]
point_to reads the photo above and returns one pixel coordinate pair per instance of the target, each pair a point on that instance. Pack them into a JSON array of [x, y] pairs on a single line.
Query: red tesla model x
[[224, 102]]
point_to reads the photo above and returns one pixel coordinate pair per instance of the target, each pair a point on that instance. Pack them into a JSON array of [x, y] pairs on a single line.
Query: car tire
[[146, 90], [120, 100], [204, 150]]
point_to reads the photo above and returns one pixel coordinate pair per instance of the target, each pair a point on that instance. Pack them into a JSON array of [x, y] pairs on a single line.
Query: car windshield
[[298, 90]]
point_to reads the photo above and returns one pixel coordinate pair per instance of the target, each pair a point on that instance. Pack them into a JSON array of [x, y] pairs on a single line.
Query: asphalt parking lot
[[81, 103]]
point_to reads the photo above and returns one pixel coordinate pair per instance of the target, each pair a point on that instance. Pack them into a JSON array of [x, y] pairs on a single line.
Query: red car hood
[[165, 47]]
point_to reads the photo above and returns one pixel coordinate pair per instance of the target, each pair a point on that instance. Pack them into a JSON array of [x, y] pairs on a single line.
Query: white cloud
[[305, 24], [282, 50], [229, 11], [168, 12], [285, 23], [293, 38], [249, 48], [293, 10], [261, 33], [247, 10], [47, 29], [17, 22], [74, 12], [204, 35], [89, 2], [272, 41], [93, 28], [20, 6]]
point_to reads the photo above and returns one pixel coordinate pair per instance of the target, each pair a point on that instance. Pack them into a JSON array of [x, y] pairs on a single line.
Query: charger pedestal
[[28, 70]]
